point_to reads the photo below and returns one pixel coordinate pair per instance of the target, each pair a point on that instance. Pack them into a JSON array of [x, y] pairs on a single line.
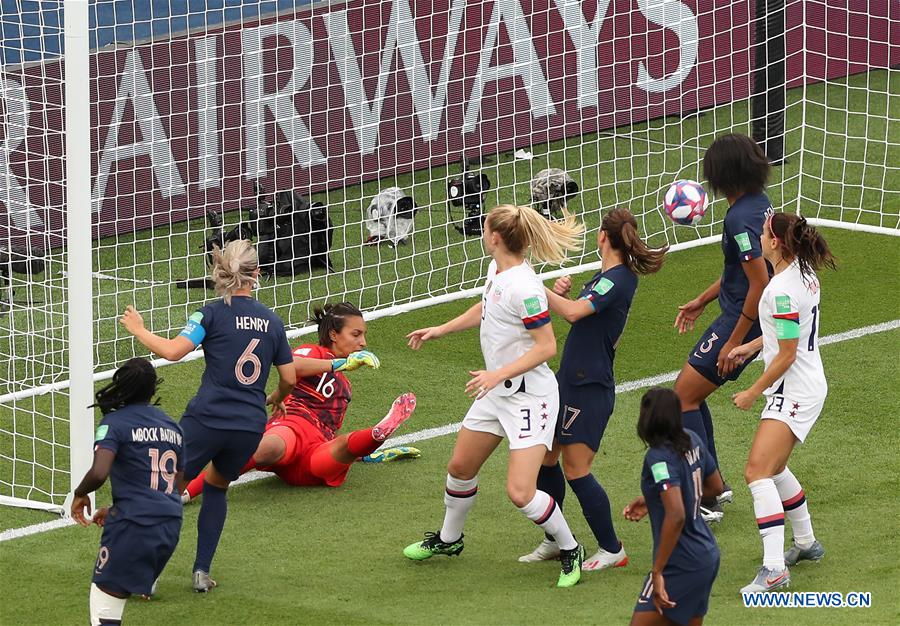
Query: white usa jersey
[[789, 309], [513, 303]]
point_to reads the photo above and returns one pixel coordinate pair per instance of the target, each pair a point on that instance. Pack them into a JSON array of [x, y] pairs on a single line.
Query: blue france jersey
[[665, 469], [149, 451], [591, 344], [241, 342], [740, 243]]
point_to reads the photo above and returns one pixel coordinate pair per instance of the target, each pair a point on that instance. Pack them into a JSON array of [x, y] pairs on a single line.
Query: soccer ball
[[686, 202]]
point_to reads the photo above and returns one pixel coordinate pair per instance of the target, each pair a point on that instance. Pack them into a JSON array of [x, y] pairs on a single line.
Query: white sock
[[543, 511], [770, 520], [105, 609], [795, 508], [459, 496]]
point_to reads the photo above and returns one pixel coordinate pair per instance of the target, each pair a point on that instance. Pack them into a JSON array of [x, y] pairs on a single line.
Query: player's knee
[[575, 469], [460, 470], [755, 470], [520, 494], [270, 451]]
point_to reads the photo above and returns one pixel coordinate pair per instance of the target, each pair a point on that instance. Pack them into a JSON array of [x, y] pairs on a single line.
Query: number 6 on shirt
[[248, 357]]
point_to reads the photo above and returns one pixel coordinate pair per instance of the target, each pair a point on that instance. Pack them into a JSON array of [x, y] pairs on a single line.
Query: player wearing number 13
[[795, 388], [141, 450], [224, 422]]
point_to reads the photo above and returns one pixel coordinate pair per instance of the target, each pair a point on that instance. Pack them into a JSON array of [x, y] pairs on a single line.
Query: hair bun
[[234, 265]]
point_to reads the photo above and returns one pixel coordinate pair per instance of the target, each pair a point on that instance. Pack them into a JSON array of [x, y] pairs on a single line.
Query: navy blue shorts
[[705, 355], [229, 450], [688, 590], [584, 412], [132, 556]]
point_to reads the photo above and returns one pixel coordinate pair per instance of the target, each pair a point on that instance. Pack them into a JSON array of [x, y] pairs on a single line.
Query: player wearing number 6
[[795, 388], [224, 422], [141, 450], [516, 395], [301, 444]]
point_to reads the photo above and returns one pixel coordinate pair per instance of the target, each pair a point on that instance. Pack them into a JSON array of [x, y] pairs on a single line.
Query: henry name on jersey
[[155, 433], [247, 322]]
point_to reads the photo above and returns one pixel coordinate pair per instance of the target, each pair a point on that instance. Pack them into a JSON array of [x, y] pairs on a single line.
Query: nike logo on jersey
[[524, 436]]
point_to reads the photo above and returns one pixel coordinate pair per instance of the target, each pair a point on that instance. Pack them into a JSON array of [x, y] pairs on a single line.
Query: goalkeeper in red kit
[[301, 443]]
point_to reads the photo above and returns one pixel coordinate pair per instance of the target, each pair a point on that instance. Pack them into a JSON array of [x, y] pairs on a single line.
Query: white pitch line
[[440, 431]]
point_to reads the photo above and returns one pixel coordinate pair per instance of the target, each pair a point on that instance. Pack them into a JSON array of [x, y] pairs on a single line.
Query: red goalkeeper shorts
[[307, 461]]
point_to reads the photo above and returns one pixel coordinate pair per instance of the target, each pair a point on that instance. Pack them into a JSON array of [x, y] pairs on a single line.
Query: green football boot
[[432, 545]]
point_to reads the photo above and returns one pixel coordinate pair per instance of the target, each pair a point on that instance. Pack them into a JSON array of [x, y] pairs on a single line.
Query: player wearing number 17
[[795, 388], [516, 395], [224, 422], [141, 450]]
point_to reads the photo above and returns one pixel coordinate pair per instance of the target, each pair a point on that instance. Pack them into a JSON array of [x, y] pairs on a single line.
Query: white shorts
[[525, 419], [799, 416]]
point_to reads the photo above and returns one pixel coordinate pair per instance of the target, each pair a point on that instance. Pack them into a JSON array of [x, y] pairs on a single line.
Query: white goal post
[[126, 149]]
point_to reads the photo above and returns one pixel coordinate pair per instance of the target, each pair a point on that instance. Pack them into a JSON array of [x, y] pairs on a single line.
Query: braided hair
[[332, 317], [800, 241], [133, 383]]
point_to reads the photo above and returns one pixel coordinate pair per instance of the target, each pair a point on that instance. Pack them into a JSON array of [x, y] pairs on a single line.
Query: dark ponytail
[[621, 229], [801, 241], [133, 383], [659, 423], [332, 317]]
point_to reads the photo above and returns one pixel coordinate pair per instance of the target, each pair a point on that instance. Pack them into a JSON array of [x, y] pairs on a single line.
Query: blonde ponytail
[[522, 228], [233, 268]]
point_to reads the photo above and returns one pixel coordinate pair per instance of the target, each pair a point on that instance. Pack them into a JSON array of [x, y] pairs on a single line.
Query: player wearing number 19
[[224, 422], [677, 470], [795, 388], [141, 450], [516, 395]]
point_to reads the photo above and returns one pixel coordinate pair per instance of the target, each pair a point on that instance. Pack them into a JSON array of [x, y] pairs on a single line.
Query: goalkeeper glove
[[355, 360]]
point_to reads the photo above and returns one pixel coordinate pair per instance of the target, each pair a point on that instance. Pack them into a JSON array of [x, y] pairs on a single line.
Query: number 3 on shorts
[[708, 344], [526, 415]]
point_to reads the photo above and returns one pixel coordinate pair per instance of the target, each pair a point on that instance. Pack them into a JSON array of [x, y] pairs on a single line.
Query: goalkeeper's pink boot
[[400, 411]]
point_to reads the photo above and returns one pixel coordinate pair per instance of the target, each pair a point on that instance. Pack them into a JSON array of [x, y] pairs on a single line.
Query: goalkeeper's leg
[[277, 445]]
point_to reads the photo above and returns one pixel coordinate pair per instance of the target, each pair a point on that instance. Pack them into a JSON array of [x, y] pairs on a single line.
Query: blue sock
[[596, 509], [693, 420], [708, 427], [209, 525], [552, 481]]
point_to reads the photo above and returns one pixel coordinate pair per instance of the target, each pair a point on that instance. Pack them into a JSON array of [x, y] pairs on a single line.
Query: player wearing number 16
[[516, 395], [224, 422], [795, 388], [141, 450]]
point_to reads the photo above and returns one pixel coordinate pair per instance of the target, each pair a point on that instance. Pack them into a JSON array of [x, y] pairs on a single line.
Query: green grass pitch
[[293, 555], [325, 556]]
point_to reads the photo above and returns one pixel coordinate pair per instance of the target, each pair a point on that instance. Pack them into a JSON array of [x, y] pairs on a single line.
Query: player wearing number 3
[[795, 389], [141, 449], [224, 422], [301, 444], [516, 395]]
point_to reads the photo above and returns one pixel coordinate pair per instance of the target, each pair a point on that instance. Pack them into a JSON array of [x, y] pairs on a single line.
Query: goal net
[[359, 144]]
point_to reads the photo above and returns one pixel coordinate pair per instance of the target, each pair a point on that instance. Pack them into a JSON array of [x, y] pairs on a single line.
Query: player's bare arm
[[544, 348], [689, 313], [758, 276], [470, 319], [787, 354], [170, 349]]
